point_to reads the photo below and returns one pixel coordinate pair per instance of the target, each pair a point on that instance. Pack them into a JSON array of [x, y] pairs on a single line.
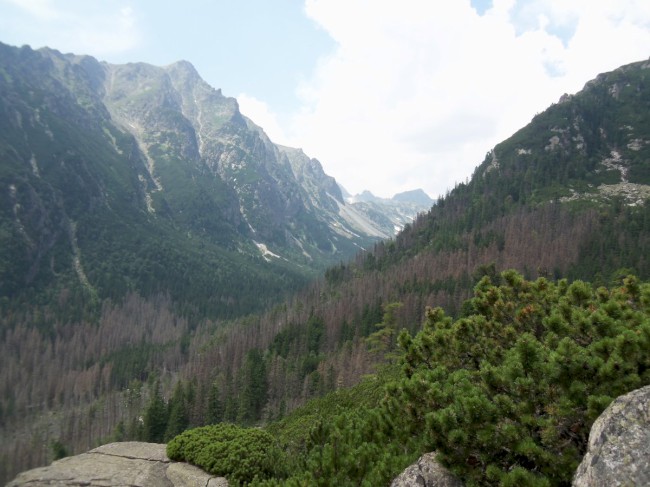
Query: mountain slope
[[120, 178], [515, 213], [580, 169], [284, 197], [77, 190]]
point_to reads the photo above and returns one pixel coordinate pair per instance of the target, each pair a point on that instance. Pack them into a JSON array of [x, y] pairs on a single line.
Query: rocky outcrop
[[618, 453], [426, 472], [120, 464]]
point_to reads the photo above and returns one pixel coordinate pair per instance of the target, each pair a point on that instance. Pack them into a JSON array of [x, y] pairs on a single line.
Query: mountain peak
[[183, 67], [414, 196], [365, 195], [183, 64]]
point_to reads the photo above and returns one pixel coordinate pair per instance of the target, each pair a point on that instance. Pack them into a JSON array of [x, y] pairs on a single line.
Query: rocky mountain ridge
[[273, 188], [595, 142], [391, 214], [93, 151]]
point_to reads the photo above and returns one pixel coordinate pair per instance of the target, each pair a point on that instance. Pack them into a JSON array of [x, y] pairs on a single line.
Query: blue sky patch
[[481, 6], [526, 15]]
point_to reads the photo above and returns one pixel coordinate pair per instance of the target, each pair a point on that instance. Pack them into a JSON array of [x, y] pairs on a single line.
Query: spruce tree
[[215, 412], [254, 388], [155, 417], [178, 415]]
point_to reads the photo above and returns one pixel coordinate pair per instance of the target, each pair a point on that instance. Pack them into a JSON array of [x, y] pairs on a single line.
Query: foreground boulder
[[131, 464], [618, 453], [426, 472]]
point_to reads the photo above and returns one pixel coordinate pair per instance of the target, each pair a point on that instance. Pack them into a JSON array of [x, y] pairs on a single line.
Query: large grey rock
[[426, 472], [132, 464], [619, 444]]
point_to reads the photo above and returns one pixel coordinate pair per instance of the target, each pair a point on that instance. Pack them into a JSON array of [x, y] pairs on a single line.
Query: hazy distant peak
[[365, 196], [414, 196]]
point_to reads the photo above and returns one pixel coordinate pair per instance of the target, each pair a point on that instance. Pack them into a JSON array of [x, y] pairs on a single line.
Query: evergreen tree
[[59, 450], [215, 412], [315, 332], [119, 432], [383, 341], [231, 406], [178, 414], [135, 430], [155, 417], [254, 388]]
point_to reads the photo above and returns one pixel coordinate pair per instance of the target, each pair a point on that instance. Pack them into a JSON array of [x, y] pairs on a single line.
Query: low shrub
[[239, 454]]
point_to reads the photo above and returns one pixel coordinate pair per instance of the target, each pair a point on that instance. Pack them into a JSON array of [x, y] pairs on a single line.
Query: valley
[[165, 265]]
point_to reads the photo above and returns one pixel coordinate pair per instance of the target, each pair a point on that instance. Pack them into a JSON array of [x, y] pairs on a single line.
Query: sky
[[389, 96]]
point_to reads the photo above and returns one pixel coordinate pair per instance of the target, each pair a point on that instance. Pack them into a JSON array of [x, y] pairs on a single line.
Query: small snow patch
[[265, 251], [32, 162]]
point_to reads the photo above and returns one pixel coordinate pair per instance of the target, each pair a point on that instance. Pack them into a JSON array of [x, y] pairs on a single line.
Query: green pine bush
[[507, 394], [239, 454]]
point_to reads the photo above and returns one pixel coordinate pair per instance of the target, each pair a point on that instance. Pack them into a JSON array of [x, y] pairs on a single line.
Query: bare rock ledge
[[132, 464]]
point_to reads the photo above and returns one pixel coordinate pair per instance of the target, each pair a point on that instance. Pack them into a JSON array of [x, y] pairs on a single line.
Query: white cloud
[[415, 96]]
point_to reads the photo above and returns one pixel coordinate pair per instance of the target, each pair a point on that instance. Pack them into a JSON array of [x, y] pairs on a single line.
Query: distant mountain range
[[133, 177], [390, 214]]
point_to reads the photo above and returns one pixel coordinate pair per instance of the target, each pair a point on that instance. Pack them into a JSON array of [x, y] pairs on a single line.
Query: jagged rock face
[[619, 444], [117, 464], [426, 472], [277, 196], [391, 215], [95, 155]]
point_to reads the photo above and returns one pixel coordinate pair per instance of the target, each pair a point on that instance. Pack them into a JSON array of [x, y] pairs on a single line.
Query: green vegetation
[[343, 438], [294, 431], [59, 450], [506, 394], [254, 388], [240, 454]]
